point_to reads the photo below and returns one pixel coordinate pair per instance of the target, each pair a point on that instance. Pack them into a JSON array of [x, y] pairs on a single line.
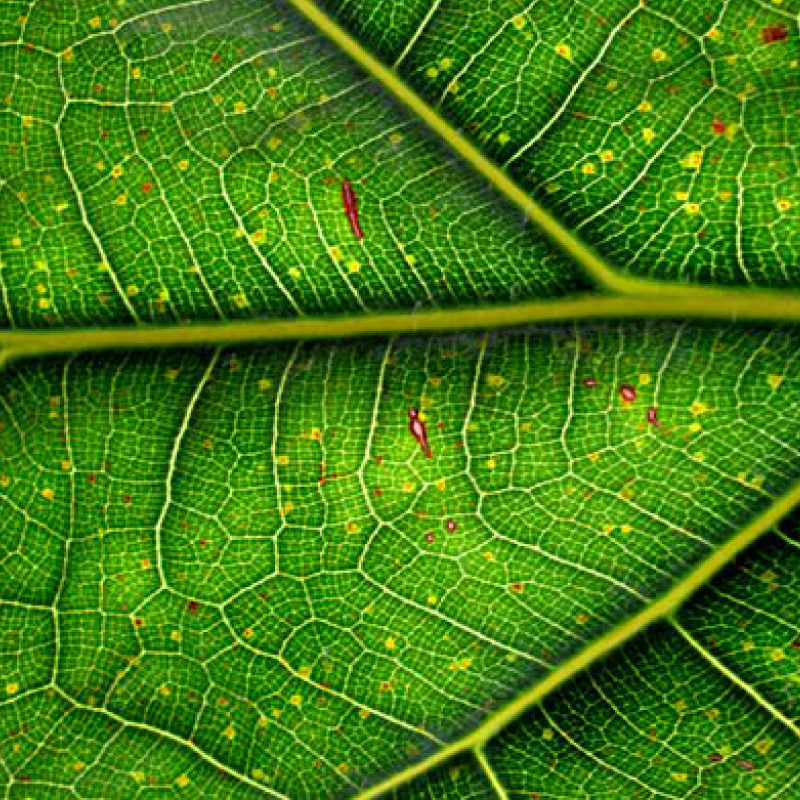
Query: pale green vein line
[[159, 732], [421, 27], [658, 609], [734, 678], [721, 305], [498, 787]]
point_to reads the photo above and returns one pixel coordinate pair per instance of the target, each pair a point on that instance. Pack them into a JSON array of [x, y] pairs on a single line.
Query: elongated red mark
[[418, 430], [774, 33], [589, 383], [349, 199], [652, 416]]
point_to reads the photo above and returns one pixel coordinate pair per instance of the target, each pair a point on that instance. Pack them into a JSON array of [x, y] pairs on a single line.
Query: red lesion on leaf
[[192, 606], [718, 126], [147, 187], [216, 57], [773, 33]]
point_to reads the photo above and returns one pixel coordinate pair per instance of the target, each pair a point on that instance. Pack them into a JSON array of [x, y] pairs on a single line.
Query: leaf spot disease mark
[[773, 33], [419, 430], [349, 200], [627, 393]]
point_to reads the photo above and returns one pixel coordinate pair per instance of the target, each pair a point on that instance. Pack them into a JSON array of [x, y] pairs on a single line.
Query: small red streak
[[349, 200], [774, 33]]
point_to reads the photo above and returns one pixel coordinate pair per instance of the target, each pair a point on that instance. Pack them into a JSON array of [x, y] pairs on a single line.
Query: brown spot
[[192, 606], [773, 33]]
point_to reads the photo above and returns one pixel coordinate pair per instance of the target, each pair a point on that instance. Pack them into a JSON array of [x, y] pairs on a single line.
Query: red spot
[[377, 493], [323, 481], [91, 478], [192, 606], [652, 416], [216, 57], [127, 499], [451, 525], [627, 393], [147, 187], [773, 33], [516, 587], [429, 537], [379, 460], [795, 644], [746, 764], [715, 757], [718, 126], [589, 383], [138, 622]]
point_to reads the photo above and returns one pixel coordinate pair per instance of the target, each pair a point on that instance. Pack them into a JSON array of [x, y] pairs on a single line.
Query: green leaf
[[186, 164], [659, 132], [228, 568], [247, 551]]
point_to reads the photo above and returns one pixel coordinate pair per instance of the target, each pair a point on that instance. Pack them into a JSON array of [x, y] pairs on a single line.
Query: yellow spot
[[390, 643], [692, 208], [693, 160], [680, 776], [351, 527], [582, 619], [68, 54], [518, 21], [698, 408], [259, 236], [121, 200], [363, 713], [132, 290], [164, 690], [283, 460], [182, 781], [488, 555], [731, 59], [353, 266], [625, 528], [273, 143], [564, 50], [116, 171], [258, 774], [66, 465], [27, 122], [466, 663], [166, 27], [783, 205], [431, 72], [94, 22], [764, 746], [136, 73], [175, 636], [645, 106], [240, 300], [230, 732], [408, 486], [759, 788], [396, 138], [611, 85], [78, 765], [644, 379], [503, 138], [775, 381], [496, 381], [681, 197], [335, 252], [287, 508], [12, 688], [4, 480], [491, 464], [48, 494], [440, 485], [714, 34], [606, 156], [432, 599], [748, 646], [589, 168], [658, 55], [411, 260], [138, 776], [594, 457], [296, 700], [16, 241], [264, 384], [44, 302], [626, 493], [777, 655], [294, 273], [648, 134], [163, 295]]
